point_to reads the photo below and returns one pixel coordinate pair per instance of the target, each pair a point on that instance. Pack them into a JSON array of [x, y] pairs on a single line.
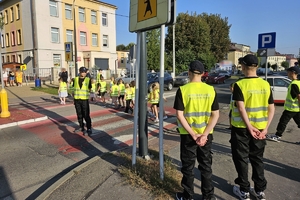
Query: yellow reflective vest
[[197, 99], [128, 93], [256, 93], [291, 104], [114, 91], [154, 96], [102, 86], [63, 86], [82, 93], [122, 89]]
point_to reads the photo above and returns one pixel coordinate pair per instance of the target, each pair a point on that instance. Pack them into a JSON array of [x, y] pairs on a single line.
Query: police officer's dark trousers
[[284, 120], [244, 147], [83, 112], [189, 152]]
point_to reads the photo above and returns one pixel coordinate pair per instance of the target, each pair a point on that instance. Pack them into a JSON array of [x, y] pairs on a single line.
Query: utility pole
[[75, 40], [173, 74]]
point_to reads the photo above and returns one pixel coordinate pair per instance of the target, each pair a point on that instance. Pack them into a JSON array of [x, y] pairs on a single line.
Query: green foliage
[[204, 37], [285, 64], [129, 45], [121, 47], [153, 49]]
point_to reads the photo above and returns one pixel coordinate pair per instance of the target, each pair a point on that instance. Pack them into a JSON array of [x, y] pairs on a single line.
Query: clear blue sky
[[247, 19]]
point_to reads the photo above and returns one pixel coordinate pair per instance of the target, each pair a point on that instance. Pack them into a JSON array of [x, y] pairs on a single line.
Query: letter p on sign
[[266, 40]]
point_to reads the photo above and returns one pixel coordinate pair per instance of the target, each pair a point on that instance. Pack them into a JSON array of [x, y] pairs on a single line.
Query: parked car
[[215, 78], [127, 79], [227, 74], [181, 79], [204, 76], [154, 77], [279, 86]]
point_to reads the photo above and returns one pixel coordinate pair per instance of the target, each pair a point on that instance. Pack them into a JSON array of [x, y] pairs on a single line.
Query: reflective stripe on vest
[[63, 86], [256, 93], [200, 96], [103, 86], [291, 104], [114, 91], [83, 92]]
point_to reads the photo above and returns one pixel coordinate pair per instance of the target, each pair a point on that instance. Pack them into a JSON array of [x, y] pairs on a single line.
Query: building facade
[[35, 33]]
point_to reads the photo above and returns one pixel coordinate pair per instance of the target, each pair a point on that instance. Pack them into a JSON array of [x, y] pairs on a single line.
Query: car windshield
[[213, 74], [183, 74], [151, 75]]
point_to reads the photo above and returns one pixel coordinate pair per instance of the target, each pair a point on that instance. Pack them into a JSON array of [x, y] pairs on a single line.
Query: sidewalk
[[98, 177]]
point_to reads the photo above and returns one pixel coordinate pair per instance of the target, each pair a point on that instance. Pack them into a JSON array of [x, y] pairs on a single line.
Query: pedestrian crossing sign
[[68, 51]]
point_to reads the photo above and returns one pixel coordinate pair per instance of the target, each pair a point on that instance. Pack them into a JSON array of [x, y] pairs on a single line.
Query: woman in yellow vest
[[197, 111], [62, 91], [291, 105], [252, 112]]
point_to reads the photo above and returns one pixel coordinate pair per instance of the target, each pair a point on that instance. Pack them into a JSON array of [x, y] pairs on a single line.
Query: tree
[[153, 49], [219, 34], [121, 47], [129, 45], [285, 64]]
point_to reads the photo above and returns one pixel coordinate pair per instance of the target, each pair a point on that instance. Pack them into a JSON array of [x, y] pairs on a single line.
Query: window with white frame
[[56, 60], [94, 39], [18, 12], [81, 14], [11, 14], [53, 8], [5, 17], [94, 17], [82, 38], [104, 19], [7, 59], [13, 58], [54, 35], [69, 35], [105, 40], [68, 11]]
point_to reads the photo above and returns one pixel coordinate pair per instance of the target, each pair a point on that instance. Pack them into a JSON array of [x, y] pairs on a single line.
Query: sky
[[248, 19]]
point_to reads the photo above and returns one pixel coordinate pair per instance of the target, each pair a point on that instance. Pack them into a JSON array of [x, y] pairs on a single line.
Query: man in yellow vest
[[197, 111], [252, 112], [81, 93], [291, 105]]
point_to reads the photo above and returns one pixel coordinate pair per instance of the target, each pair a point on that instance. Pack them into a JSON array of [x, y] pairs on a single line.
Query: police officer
[[197, 111], [252, 112], [81, 93], [291, 105]]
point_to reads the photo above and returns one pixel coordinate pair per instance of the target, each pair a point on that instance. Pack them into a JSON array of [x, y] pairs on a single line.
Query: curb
[[66, 177], [23, 122]]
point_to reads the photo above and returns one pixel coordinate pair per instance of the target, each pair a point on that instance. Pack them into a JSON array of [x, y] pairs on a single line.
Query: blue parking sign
[[266, 40], [68, 47]]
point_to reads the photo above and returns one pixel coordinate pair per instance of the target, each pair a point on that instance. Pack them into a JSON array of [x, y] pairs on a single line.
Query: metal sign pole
[[161, 102]]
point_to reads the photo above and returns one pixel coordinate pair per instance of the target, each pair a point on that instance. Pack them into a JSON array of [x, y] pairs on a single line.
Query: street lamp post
[[75, 39]]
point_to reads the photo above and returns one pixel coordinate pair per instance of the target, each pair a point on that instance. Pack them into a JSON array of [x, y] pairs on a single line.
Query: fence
[[45, 74]]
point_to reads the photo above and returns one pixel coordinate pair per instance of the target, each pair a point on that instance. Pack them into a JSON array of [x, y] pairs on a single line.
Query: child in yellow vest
[[93, 95], [128, 98], [62, 91], [114, 93], [154, 100]]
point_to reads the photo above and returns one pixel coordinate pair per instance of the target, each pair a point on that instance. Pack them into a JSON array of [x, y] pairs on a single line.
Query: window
[[6, 17], [105, 40], [81, 15], [13, 58], [13, 39], [93, 17], [20, 59], [18, 11], [53, 8], [19, 37], [82, 38], [7, 39], [7, 59], [54, 35], [11, 14], [3, 59], [2, 41], [94, 39], [68, 11], [104, 19], [56, 60], [69, 35], [281, 82]]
